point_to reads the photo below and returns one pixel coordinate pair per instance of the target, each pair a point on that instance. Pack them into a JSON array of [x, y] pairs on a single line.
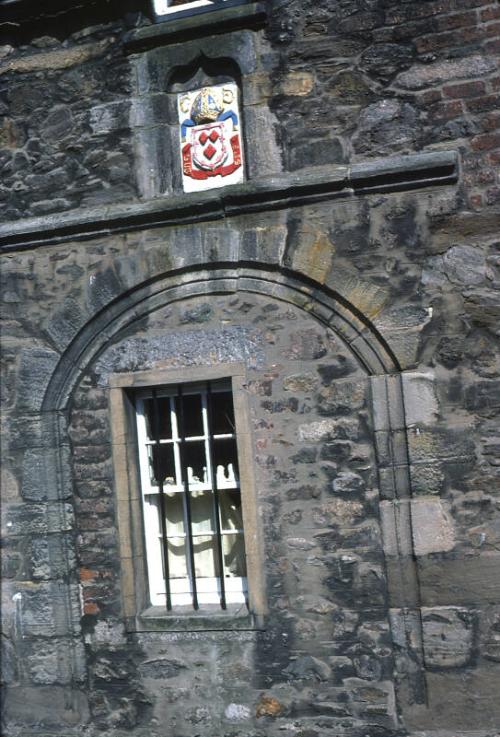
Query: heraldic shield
[[208, 146], [211, 149]]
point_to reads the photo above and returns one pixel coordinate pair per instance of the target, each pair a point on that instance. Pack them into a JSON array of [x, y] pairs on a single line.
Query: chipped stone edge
[[268, 193]]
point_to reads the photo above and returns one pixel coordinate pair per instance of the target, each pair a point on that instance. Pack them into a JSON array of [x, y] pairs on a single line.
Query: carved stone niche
[[213, 86]]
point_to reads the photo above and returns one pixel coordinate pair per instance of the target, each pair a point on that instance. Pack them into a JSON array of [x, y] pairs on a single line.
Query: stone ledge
[[174, 29], [156, 619], [397, 173]]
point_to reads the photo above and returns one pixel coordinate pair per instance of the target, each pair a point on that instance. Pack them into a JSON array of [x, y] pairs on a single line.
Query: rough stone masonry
[[354, 279]]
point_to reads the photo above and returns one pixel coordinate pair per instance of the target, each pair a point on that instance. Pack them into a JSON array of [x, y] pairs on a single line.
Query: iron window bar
[[186, 496], [163, 511], [215, 497]]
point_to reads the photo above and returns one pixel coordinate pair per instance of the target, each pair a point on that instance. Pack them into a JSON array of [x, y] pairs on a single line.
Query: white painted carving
[[210, 138]]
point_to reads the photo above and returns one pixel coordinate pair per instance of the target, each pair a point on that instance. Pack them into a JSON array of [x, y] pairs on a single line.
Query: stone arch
[[323, 303], [366, 344]]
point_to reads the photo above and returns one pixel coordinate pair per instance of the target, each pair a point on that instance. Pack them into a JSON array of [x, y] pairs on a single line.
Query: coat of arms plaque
[[211, 145]]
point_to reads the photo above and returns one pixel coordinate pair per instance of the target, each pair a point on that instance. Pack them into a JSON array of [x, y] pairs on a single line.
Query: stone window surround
[[138, 616]]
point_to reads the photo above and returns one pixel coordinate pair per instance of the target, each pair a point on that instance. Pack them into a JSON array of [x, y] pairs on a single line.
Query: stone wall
[[367, 315], [326, 635]]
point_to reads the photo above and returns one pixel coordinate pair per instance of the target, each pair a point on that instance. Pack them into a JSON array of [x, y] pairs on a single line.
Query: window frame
[[138, 612], [179, 490], [163, 12]]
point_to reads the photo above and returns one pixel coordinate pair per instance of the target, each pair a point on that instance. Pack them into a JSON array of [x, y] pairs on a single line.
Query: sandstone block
[[421, 76], [268, 706], [60, 59], [433, 528], [448, 634], [297, 84], [36, 367], [420, 400]]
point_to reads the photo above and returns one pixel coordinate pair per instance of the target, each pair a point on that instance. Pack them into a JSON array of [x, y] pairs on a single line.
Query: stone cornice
[[397, 173], [173, 29]]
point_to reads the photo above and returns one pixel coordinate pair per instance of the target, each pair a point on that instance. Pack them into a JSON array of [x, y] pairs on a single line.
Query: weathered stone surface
[[58, 123], [462, 265], [46, 474], [300, 383], [308, 667], [338, 512], [383, 61], [387, 126], [344, 267], [29, 519], [43, 609], [421, 76], [420, 401], [268, 706], [10, 668], [212, 346], [51, 661], [348, 482], [10, 487], [350, 87], [440, 443], [46, 707], [37, 366], [322, 430], [297, 83], [51, 556], [60, 59], [491, 637], [65, 323], [237, 713], [457, 579], [432, 525], [448, 636], [109, 117], [340, 397], [483, 306], [161, 668], [446, 688]]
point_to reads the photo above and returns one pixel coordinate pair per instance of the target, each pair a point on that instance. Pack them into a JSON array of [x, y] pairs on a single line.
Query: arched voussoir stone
[[327, 306]]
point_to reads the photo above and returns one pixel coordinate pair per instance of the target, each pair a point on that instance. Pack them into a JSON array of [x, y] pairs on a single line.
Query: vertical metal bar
[[215, 496], [159, 481], [187, 498]]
